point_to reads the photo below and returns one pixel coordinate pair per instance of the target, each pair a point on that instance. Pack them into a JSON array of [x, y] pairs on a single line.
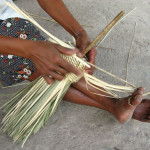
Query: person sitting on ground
[[26, 55]]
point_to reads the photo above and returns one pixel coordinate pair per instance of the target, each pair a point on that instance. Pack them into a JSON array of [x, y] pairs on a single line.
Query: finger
[[56, 75], [82, 48], [92, 61], [81, 52], [70, 68], [60, 70], [91, 55], [46, 74], [66, 51], [90, 70], [48, 79]]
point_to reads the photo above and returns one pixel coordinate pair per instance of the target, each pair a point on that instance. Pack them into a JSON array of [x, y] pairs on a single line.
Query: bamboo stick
[[115, 25], [104, 32]]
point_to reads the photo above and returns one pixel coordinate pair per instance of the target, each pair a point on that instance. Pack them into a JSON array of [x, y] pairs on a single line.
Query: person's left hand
[[82, 41], [91, 58]]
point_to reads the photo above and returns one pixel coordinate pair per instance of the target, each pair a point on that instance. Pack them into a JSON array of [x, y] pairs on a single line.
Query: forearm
[[58, 11], [14, 46]]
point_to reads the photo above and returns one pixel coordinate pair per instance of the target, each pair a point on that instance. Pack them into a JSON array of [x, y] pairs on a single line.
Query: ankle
[[111, 107]]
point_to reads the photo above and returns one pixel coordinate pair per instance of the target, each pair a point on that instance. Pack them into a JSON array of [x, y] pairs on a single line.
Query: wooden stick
[[104, 32]]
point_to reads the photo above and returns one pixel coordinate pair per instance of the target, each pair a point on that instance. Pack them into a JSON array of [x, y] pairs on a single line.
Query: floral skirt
[[14, 69]]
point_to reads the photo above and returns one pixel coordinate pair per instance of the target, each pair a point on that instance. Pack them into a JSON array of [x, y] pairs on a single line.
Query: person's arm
[[45, 55], [14, 46], [59, 12]]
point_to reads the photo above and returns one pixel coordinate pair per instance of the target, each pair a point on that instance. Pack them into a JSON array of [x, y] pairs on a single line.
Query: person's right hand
[[49, 63]]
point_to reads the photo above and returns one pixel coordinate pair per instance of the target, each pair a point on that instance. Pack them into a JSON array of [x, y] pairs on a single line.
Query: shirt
[[7, 12]]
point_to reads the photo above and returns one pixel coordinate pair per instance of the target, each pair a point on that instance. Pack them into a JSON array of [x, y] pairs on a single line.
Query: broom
[[29, 110]]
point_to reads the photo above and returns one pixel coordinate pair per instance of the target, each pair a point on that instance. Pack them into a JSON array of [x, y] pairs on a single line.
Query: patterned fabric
[[14, 69]]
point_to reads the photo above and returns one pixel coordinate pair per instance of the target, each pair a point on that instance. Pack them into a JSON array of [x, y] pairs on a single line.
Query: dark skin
[[46, 57], [82, 41], [41, 53], [58, 11]]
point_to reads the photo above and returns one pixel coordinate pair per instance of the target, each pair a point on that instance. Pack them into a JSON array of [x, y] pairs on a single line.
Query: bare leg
[[75, 96], [141, 112], [118, 107]]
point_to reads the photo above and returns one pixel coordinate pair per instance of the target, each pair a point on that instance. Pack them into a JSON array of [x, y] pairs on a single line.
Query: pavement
[[76, 127]]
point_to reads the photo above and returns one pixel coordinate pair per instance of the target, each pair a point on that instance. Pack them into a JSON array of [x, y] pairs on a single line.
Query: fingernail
[[140, 91], [79, 55]]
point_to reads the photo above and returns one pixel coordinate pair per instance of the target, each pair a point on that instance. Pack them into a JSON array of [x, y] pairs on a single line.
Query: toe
[[136, 97], [138, 91]]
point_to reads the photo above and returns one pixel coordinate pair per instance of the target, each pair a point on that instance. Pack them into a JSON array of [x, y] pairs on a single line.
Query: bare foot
[[123, 111], [142, 111]]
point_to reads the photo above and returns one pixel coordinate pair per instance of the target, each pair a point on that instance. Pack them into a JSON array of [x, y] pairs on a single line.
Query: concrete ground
[[76, 127]]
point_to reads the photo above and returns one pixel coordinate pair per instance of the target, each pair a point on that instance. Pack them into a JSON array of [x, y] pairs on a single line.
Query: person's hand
[[91, 58], [82, 42], [49, 63]]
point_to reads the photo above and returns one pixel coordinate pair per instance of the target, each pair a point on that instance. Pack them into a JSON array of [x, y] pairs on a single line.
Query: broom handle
[[104, 32]]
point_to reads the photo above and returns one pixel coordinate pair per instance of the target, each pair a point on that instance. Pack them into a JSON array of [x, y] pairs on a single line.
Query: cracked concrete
[[76, 127]]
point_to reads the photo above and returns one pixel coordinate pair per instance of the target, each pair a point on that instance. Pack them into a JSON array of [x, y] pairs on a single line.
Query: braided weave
[[71, 77]]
